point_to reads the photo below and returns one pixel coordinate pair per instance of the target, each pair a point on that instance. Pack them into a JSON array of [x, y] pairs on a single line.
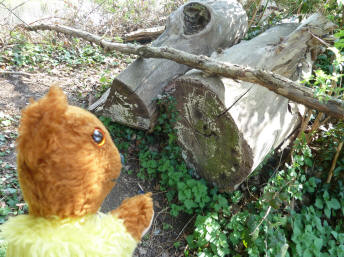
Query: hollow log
[[198, 27], [227, 127]]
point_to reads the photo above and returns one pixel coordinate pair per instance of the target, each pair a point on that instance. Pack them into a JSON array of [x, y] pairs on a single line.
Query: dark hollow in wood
[[196, 17]]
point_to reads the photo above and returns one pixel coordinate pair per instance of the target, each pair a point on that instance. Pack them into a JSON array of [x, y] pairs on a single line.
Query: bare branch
[[11, 11], [334, 162], [261, 221], [144, 34], [14, 73], [272, 81]]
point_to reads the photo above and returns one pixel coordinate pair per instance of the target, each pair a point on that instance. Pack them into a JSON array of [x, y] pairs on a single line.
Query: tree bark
[[227, 126], [274, 82], [144, 34]]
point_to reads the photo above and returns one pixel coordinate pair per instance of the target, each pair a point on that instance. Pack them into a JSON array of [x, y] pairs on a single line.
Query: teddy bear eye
[[98, 136]]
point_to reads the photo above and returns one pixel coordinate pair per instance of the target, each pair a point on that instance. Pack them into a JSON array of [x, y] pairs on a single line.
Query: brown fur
[[137, 213], [62, 171]]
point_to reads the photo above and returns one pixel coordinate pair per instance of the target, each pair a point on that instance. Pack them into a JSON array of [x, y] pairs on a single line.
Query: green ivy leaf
[[327, 212], [307, 253], [319, 203], [326, 196], [333, 204], [189, 204], [308, 162], [318, 243], [284, 196], [275, 203]]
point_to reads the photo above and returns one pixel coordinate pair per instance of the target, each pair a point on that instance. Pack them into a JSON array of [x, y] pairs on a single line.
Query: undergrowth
[[47, 54], [131, 15], [295, 214], [160, 158]]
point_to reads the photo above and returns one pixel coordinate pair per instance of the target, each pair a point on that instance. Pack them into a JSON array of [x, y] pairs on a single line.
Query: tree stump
[[198, 27], [227, 127]]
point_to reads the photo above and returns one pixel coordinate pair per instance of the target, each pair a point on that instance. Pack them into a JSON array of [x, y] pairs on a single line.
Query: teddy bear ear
[[55, 100], [50, 108]]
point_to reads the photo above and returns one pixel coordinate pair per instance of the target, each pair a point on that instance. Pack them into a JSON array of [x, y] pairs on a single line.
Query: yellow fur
[[101, 235]]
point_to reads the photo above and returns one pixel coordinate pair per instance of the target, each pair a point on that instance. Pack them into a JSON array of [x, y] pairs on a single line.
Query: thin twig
[[330, 173], [5, 73], [187, 223], [234, 103], [99, 5], [20, 5], [260, 223], [8, 9], [305, 120], [48, 18], [262, 14], [254, 14], [140, 187], [156, 217], [160, 192], [314, 128], [317, 122], [319, 39], [325, 120], [299, 9], [249, 191], [158, 214], [279, 165]]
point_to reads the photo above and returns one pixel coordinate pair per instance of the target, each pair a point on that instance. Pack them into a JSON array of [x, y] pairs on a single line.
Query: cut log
[[227, 127], [199, 27]]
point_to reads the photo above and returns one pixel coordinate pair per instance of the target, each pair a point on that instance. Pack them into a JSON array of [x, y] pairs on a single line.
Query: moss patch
[[209, 137]]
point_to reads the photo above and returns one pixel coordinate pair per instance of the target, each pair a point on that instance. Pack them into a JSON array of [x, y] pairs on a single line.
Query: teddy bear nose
[[122, 158]]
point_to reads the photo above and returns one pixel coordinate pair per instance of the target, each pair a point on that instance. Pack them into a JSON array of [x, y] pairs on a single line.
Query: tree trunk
[[227, 127], [199, 27]]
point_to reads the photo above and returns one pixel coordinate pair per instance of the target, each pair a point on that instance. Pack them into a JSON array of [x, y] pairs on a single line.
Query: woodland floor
[[80, 87]]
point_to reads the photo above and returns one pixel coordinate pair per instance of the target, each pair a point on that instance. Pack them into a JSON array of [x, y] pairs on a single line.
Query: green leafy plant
[[47, 55], [9, 191]]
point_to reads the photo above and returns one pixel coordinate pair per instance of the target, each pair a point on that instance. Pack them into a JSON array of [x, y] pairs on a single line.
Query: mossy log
[[198, 27], [227, 127]]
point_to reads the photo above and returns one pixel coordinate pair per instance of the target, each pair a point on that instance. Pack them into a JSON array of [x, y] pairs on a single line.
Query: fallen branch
[[274, 82], [334, 162], [14, 73], [144, 34]]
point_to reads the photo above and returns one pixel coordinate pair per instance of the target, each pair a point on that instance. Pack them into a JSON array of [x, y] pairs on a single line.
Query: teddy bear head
[[67, 162]]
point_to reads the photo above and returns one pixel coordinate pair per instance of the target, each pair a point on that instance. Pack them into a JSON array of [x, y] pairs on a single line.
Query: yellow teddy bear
[[67, 164]]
